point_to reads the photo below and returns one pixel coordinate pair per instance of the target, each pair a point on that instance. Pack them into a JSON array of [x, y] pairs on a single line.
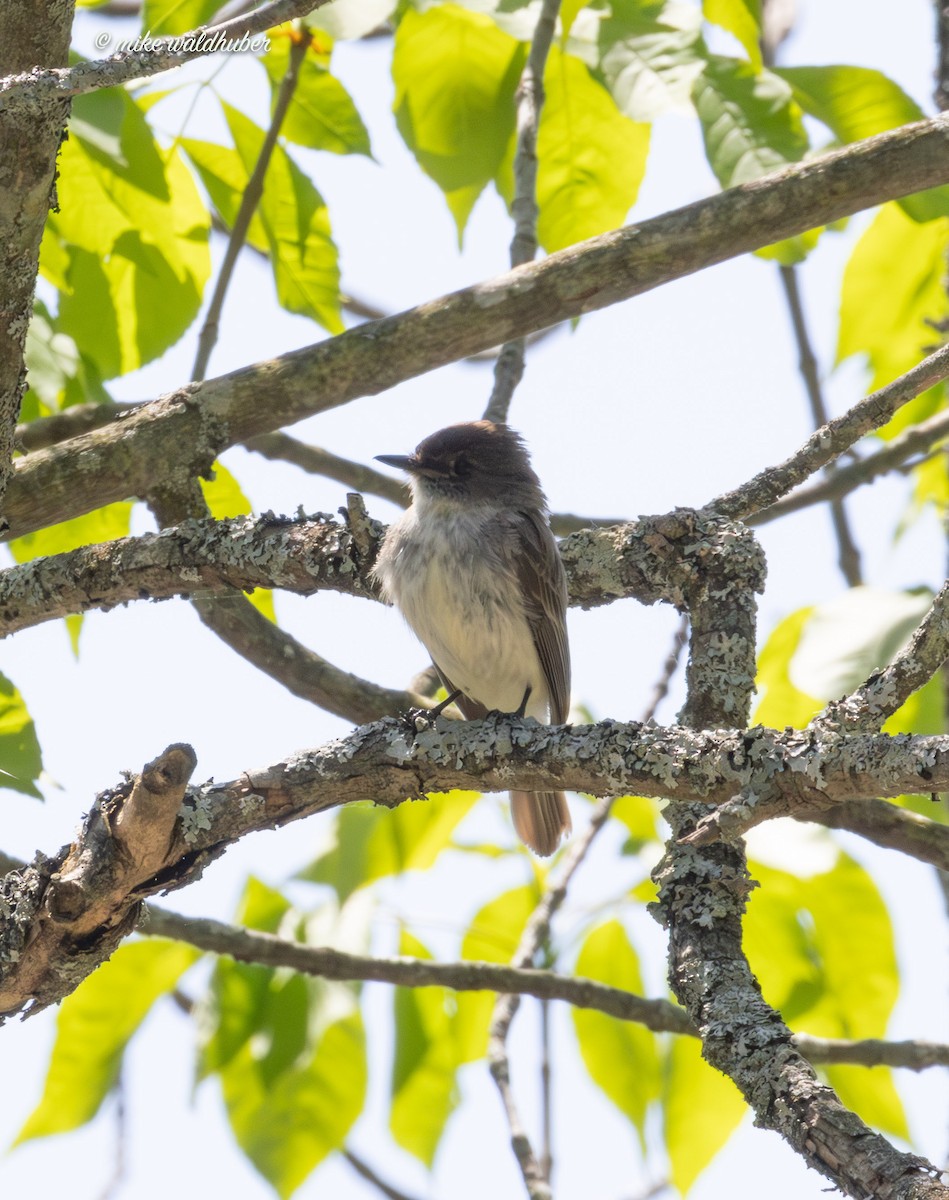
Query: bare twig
[[832, 439], [848, 555], [299, 45], [509, 368], [920, 439], [362, 1168], [892, 827]]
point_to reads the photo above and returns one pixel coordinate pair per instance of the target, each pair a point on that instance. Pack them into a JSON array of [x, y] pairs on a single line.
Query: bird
[[475, 571]]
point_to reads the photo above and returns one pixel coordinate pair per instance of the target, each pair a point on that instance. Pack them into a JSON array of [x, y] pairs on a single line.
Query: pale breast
[[463, 603]]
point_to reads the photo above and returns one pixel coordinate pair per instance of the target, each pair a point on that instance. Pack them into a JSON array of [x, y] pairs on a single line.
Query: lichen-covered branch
[[653, 559], [31, 87], [390, 761], [887, 690], [31, 32], [187, 429]]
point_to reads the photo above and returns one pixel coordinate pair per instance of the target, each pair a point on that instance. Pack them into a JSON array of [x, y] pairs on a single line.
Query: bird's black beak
[[402, 462]]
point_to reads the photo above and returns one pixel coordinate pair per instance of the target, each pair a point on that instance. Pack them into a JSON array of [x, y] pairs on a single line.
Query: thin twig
[[920, 439], [266, 949], [249, 202], [831, 440], [509, 368], [848, 556], [361, 1167]]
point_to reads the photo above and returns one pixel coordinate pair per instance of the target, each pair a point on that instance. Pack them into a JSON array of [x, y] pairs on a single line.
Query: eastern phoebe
[[476, 572]]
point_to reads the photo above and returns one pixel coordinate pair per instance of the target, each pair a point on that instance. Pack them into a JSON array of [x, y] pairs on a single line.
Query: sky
[[661, 401]]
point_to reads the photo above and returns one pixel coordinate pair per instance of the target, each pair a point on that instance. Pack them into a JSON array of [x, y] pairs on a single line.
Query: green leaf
[[591, 159], [650, 56], [322, 114], [857, 103], [20, 758], [893, 288], [640, 815], [783, 702], [620, 1056], [95, 1025], [751, 124], [692, 1087], [128, 247], [225, 498], [455, 73], [822, 949], [492, 936], [368, 843], [161, 17], [101, 525], [287, 1123], [742, 19], [296, 224], [223, 174], [846, 639], [52, 358], [425, 1066]]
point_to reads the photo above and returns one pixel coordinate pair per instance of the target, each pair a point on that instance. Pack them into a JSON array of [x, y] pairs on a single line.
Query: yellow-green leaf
[[100, 525], [296, 223], [702, 1109], [455, 73], [161, 17], [783, 703], [128, 246], [424, 1092], [321, 114], [871, 1093], [492, 936], [591, 159], [368, 843], [289, 1122], [893, 288], [620, 1056], [94, 1026], [20, 759], [742, 19], [650, 56]]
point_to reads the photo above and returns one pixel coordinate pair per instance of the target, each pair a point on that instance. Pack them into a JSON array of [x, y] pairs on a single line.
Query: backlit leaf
[[161, 17], [93, 1027], [620, 1056], [20, 759], [321, 114], [128, 246], [455, 73], [702, 1108], [893, 288], [782, 702], [650, 56], [742, 19]]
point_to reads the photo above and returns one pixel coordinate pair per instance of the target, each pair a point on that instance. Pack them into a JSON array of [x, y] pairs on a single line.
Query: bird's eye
[[461, 467]]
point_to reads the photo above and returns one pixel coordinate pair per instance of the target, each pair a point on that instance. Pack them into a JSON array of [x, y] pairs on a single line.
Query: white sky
[[662, 401]]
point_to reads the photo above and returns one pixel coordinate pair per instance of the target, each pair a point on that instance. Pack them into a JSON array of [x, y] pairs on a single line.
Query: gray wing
[[544, 589]]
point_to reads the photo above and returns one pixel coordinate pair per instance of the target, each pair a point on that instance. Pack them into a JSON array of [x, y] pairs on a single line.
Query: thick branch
[[31, 32], [655, 558], [388, 761], [190, 427]]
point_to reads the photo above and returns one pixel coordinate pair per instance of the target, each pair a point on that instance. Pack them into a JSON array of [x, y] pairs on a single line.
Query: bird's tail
[[541, 819]]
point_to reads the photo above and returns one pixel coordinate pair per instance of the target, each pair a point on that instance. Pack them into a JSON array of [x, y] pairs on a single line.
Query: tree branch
[[832, 439], [32, 88], [848, 555], [248, 205], [529, 99], [69, 911], [31, 31], [190, 427]]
